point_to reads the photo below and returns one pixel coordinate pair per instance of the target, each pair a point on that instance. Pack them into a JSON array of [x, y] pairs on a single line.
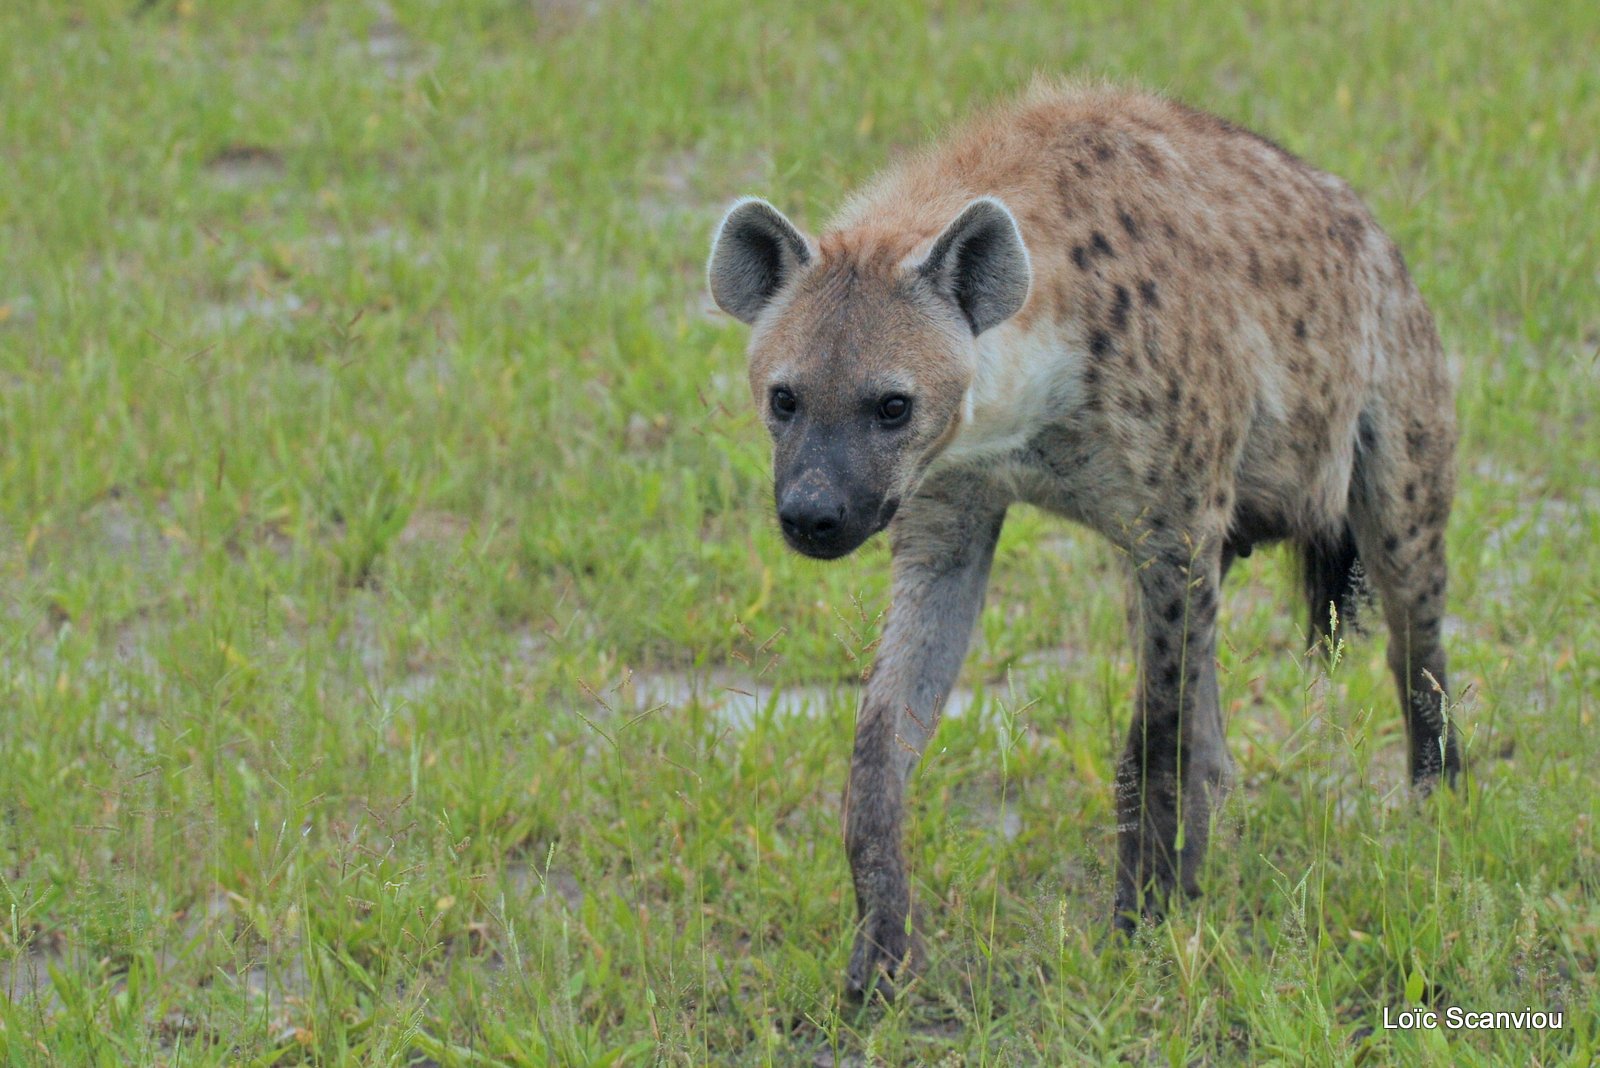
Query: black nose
[[814, 520]]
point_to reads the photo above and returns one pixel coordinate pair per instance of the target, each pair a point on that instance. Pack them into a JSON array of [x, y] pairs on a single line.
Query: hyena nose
[[812, 520]]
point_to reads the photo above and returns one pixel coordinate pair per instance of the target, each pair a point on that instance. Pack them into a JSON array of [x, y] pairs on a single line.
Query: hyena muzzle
[[1147, 320]]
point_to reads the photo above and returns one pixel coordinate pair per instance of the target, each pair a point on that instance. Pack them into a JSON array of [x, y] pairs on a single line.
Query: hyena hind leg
[[1399, 505]]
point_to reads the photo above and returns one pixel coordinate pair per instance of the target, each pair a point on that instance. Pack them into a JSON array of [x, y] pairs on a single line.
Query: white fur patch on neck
[[1021, 376]]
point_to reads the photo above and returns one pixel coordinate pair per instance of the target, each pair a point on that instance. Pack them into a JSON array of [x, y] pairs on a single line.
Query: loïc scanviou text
[[1459, 1019]]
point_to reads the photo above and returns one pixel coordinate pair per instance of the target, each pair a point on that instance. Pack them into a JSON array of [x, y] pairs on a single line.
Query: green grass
[[368, 461]]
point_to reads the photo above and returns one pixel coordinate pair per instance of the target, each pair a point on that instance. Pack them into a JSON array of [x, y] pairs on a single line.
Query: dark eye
[[783, 403], [893, 409]]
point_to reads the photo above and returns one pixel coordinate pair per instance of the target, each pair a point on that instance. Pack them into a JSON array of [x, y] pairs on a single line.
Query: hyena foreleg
[[943, 546], [1176, 764]]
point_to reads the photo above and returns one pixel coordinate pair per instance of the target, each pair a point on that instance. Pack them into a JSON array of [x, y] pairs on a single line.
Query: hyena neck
[[1026, 378]]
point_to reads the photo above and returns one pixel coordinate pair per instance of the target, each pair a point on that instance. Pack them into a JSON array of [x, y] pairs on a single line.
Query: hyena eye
[[783, 403], [893, 409]]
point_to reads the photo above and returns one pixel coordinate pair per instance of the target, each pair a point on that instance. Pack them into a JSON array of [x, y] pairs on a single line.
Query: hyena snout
[[825, 520]]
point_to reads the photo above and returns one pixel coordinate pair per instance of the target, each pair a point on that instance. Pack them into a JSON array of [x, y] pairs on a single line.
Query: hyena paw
[[1128, 915], [882, 955], [1132, 907]]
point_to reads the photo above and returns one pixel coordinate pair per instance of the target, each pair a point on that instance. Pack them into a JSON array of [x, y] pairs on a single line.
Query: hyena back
[[1142, 318]]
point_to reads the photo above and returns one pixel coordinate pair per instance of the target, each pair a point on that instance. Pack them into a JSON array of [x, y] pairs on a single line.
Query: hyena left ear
[[755, 252], [981, 263]]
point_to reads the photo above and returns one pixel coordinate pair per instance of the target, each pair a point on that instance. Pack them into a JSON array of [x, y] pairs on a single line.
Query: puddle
[[376, 239], [733, 701], [435, 529], [556, 887], [272, 308], [389, 47], [1000, 818], [245, 166], [739, 703], [26, 978]]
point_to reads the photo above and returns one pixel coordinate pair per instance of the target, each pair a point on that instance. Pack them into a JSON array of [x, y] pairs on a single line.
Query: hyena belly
[[1151, 322]]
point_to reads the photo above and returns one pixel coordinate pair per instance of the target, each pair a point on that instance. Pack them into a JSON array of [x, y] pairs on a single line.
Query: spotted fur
[[1218, 348]]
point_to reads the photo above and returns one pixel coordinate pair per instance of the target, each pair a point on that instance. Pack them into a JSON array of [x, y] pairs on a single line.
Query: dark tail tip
[[1332, 574]]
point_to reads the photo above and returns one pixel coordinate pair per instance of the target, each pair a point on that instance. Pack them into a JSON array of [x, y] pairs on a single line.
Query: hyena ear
[[756, 250], [981, 263]]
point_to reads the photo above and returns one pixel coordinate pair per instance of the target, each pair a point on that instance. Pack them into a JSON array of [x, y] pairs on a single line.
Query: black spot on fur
[[1174, 392], [1253, 268], [1169, 675], [1119, 308], [1099, 343], [1091, 378], [1147, 293], [1300, 329], [1347, 230], [1411, 491], [1366, 431], [1080, 257], [1101, 247], [1129, 224], [1174, 610], [1147, 156], [1391, 543]]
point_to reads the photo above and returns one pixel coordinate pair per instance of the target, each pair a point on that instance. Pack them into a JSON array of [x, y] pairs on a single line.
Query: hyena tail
[[1331, 571]]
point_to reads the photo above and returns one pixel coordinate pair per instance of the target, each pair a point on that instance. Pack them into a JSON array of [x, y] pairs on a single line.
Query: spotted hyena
[[1147, 320]]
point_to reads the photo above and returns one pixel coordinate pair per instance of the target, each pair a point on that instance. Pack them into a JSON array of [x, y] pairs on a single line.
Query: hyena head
[[861, 359]]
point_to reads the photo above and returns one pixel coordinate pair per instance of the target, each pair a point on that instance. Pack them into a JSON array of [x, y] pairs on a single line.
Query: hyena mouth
[[820, 553]]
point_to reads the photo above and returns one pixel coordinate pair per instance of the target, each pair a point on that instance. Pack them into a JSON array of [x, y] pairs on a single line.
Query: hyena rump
[[1147, 320]]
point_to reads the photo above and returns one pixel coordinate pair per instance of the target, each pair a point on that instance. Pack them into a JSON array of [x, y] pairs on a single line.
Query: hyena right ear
[[755, 252]]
